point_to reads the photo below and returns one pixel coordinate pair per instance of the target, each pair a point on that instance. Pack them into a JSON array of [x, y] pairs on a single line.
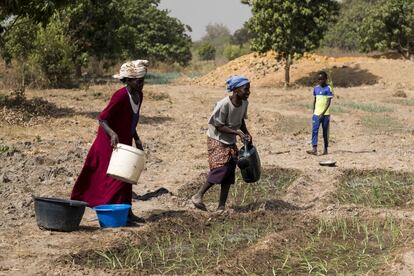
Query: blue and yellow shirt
[[322, 95]]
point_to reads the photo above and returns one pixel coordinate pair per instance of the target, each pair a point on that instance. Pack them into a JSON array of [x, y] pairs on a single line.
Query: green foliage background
[[390, 25], [369, 25], [53, 41], [61, 44]]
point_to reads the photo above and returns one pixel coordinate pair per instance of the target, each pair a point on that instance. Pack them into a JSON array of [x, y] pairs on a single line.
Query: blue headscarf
[[235, 82]]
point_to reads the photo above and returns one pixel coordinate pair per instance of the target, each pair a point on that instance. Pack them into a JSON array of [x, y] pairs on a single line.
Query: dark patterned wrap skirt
[[222, 160]]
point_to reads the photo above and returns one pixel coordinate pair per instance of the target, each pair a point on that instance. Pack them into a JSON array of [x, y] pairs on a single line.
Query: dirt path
[[46, 158]]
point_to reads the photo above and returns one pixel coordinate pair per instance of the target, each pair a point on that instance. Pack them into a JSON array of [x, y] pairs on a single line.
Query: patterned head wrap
[[133, 69], [235, 82]]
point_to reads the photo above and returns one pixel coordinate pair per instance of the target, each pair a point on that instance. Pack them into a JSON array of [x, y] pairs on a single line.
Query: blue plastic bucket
[[112, 215]]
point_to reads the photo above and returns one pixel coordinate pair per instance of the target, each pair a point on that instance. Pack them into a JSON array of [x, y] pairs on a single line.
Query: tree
[[346, 33], [390, 26], [37, 10], [108, 31], [290, 27], [241, 36], [151, 33], [217, 35], [92, 30], [53, 53], [114, 30], [207, 51], [18, 45], [20, 42], [42, 54]]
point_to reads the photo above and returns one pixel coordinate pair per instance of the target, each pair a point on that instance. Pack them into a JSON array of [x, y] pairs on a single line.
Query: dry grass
[[406, 102], [382, 123], [367, 107], [334, 108]]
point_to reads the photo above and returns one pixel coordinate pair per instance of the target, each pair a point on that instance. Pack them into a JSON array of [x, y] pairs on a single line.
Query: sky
[[199, 13]]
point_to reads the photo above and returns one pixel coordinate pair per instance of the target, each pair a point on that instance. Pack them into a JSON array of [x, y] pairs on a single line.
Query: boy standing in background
[[323, 95]]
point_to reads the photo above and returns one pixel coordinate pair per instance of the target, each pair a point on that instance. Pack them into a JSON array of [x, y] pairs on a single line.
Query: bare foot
[[198, 202]]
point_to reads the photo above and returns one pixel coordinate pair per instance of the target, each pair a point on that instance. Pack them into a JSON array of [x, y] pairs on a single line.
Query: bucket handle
[[246, 143]]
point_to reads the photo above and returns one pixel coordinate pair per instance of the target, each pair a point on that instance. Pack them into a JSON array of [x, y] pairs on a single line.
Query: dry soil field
[[300, 219]]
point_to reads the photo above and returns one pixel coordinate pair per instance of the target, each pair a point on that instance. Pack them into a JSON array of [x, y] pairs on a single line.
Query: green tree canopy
[[37, 10], [346, 33], [241, 36], [390, 25], [152, 33], [107, 30], [114, 30], [20, 42], [290, 27], [92, 29]]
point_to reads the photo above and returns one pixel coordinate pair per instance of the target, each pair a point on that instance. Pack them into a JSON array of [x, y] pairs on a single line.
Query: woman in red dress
[[117, 124]]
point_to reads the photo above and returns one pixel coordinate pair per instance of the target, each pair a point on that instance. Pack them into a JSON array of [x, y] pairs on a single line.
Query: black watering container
[[249, 163], [58, 214]]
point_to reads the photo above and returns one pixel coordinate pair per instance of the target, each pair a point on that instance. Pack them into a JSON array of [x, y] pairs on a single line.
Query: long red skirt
[[93, 185]]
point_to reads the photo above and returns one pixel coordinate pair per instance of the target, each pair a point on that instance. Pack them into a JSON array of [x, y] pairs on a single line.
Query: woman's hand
[[112, 135], [242, 136], [249, 138], [114, 139]]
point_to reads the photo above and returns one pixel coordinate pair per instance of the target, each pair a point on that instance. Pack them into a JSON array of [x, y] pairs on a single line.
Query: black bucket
[[58, 214]]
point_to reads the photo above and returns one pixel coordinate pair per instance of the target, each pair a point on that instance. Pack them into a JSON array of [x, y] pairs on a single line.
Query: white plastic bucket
[[126, 163]]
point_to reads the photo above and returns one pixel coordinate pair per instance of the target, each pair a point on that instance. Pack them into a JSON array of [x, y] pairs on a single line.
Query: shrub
[[52, 54], [207, 51], [232, 51]]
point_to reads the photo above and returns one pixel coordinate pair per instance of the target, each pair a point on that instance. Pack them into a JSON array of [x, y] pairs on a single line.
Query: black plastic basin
[[58, 214]]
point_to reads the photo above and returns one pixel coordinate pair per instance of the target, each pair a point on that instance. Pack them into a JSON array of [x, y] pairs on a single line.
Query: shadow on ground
[[29, 109], [86, 228], [343, 76], [146, 120]]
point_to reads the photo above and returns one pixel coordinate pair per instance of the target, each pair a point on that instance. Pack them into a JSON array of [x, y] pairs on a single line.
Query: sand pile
[[264, 70], [255, 66]]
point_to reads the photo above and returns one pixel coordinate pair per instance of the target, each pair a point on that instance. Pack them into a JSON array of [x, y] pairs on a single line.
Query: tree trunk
[[78, 69], [287, 70], [23, 75]]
